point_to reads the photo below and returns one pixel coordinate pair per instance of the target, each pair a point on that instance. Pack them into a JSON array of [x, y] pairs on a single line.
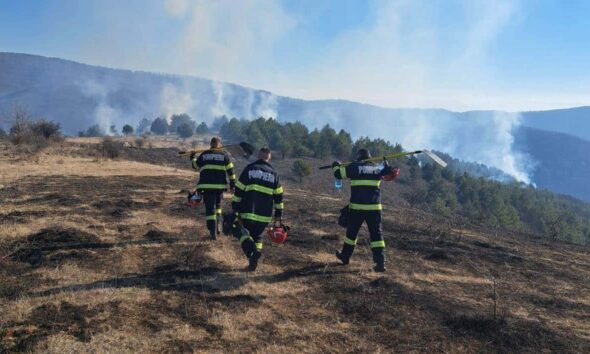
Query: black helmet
[[363, 154]]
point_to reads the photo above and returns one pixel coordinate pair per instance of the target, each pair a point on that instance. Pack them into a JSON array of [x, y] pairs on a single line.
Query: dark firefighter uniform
[[365, 206], [214, 165], [258, 191]]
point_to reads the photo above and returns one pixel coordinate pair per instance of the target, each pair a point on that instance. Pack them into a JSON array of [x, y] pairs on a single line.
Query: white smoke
[[176, 100], [486, 137], [104, 114], [246, 104], [267, 107]]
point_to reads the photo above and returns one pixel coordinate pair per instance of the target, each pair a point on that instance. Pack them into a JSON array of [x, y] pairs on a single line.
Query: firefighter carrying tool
[[258, 191], [365, 204], [213, 165]]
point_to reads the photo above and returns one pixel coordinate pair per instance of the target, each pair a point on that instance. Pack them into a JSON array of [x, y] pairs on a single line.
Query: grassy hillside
[[104, 255]]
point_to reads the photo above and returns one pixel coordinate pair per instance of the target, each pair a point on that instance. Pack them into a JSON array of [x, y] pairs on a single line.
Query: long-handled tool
[[428, 153], [244, 149]]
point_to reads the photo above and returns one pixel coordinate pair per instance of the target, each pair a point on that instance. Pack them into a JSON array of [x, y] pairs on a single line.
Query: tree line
[[180, 124], [499, 202]]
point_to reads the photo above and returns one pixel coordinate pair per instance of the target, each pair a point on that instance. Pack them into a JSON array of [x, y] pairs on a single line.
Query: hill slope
[[101, 255], [563, 161], [572, 121], [78, 95]]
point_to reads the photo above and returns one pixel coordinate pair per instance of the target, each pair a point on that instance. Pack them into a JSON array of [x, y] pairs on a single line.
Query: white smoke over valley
[[104, 114], [394, 61], [176, 100]]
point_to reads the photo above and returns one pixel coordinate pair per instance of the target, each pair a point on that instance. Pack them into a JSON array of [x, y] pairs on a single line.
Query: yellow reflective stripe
[[244, 238], [218, 211], [256, 217], [278, 190], [194, 163], [229, 166], [213, 167], [236, 199], [211, 186], [211, 217], [365, 182], [343, 172], [335, 168], [349, 241], [258, 188], [354, 206], [232, 177], [258, 246], [240, 185], [378, 244], [279, 205]]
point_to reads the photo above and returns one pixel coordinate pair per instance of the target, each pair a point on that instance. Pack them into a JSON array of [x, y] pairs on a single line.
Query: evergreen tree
[[159, 126], [202, 128], [185, 130], [127, 129]]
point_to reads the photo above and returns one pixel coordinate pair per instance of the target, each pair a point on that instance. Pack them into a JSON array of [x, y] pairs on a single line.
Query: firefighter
[[214, 164], [365, 205], [258, 191]]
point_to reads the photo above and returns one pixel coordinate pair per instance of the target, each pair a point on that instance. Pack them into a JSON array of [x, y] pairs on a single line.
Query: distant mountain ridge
[[78, 95], [573, 121]]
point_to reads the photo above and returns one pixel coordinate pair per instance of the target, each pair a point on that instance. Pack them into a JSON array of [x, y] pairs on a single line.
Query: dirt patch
[[22, 217], [80, 322], [54, 199], [437, 255], [511, 335], [40, 244], [57, 236]]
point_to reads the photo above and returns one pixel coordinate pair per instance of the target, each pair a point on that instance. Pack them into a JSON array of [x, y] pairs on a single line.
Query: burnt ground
[[119, 263]]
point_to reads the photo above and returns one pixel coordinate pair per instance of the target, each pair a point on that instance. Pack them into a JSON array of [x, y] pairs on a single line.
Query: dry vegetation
[[103, 255]]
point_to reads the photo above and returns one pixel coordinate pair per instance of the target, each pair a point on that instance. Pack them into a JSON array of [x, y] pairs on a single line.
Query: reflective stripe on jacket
[[214, 165], [258, 192]]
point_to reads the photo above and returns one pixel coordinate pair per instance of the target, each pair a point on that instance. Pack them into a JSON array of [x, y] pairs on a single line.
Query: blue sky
[[512, 55]]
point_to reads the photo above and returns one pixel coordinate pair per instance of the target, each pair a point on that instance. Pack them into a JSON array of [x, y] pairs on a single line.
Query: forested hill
[[78, 96], [572, 121], [451, 192]]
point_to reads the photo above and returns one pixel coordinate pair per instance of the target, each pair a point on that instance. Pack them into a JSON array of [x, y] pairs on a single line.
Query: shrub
[[111, 148], [48, 130], [301, 169], [32, 136], [127, 129], [95, 131], [20, 131], [140, 142], [3, 134]]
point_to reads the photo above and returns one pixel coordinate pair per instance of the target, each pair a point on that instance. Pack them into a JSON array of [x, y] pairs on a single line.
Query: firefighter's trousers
[[251, 241], [355, 221], [212, 199]]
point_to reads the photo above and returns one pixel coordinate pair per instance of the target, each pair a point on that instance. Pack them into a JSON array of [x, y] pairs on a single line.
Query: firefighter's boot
[[253, 260], [379, 260]]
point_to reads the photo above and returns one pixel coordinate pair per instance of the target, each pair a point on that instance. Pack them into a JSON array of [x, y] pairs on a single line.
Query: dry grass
[[133, 271]]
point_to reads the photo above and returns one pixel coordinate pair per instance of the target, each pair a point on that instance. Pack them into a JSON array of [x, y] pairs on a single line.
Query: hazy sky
[[461, 55]]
